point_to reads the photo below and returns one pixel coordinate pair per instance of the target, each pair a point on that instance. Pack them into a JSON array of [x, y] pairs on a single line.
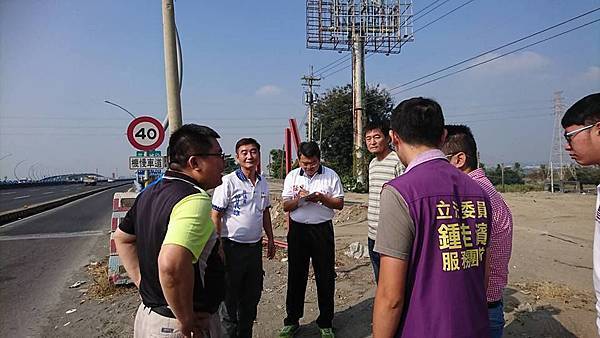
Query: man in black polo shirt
[[167, 242]]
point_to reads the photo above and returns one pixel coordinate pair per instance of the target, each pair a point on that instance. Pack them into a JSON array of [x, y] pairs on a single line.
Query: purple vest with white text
[[445, 293]]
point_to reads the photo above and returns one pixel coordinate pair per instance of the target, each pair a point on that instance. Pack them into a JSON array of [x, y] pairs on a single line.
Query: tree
[[511, 175], [333, 111], [230, 164], [588, 175], [276, 163]]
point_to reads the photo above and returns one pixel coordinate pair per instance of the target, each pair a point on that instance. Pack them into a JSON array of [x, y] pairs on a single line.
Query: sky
[[243, 60]]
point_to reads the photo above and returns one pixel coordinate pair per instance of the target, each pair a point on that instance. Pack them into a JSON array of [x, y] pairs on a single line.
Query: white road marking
[[48, 192], [54, 235], [8, 193], [21, 197]]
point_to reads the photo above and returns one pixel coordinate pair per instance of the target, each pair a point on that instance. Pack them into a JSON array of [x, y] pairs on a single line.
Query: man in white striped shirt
[[384, 167]]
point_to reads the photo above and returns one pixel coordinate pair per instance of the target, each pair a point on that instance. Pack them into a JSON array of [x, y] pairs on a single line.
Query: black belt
[[234, 243], [163, 311], [492, 305]]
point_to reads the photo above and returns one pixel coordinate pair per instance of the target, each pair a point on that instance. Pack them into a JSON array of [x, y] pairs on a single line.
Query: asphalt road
[[39, 256], [11, 199]]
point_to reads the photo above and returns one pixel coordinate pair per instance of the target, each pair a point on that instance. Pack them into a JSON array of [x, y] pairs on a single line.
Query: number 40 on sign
[[145, 133]]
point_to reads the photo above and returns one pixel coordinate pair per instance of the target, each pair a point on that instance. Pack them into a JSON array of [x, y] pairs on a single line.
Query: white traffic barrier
[[122, 201]]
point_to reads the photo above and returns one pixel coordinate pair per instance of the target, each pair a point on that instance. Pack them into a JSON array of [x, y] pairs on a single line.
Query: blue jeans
[[496, 317], [374, 259]]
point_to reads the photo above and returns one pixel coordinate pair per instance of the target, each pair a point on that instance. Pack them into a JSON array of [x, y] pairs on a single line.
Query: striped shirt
[[380, 172], [501, 237]]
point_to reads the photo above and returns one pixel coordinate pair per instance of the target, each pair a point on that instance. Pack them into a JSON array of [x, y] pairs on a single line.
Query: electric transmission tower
[[309, 100], [557, 165]]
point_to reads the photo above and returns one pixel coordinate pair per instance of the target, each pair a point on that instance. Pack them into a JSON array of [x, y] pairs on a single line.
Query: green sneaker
[[288, 331], [327, 333]]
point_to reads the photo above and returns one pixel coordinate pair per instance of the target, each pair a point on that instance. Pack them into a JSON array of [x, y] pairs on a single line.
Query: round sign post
[[145, 133]]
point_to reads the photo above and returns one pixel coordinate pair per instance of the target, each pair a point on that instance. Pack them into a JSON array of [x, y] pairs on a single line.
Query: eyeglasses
[[569, 136], [221, 155]]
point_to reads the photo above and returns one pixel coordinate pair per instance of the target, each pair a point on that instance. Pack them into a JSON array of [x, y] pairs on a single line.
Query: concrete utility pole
[[309, 100], [502, 170], [358, 90], [171, 69]]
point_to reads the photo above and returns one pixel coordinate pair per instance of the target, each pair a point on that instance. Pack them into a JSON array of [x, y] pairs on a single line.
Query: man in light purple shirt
[[582, 132], [461, 150]]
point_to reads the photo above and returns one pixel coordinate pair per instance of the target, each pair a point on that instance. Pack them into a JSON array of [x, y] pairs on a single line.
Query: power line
[[323, 75], [487, 52], [417, 17], [497, 48], [245, 126], [504, 111], [436, 20], [503, 118], [14, 117], [495, 58]]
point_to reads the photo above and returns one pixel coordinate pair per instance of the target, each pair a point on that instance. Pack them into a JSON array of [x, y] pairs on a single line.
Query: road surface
[[41, 253], [11, 199]]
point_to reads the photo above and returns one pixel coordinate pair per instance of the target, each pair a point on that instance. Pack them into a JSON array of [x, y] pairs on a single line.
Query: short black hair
[[189, 140], [584, 112], [245, 141], [384, 126], [461, 139], [309, 149], [419, 121]]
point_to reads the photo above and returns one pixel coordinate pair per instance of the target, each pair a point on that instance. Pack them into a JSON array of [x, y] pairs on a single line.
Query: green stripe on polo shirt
[[190, 225]]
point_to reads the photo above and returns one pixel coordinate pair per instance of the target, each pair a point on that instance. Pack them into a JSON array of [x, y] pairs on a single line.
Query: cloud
[[268, 90], [514, 63], [591, 74]]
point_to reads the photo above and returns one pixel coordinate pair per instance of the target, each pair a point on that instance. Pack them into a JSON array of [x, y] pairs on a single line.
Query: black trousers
[[244, 284], [306, 242]]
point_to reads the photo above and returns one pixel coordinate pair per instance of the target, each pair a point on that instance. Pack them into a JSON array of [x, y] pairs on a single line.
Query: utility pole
[[171, 67], [358, 90], [309, 100], [502, 170]]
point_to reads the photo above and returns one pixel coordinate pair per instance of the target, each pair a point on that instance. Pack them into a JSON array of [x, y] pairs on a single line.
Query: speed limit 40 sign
[[145, 133]]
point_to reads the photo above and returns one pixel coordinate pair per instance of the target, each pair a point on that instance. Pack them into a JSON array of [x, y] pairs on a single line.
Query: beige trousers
[[149, 324]]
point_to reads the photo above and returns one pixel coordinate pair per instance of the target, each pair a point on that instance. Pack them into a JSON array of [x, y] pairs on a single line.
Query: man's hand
[[303, 193], [271, 249], [187, 327], [221, 250], [196, 325], [127, 249]]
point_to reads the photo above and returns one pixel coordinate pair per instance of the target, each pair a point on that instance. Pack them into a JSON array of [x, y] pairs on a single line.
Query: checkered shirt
[[501, 237]]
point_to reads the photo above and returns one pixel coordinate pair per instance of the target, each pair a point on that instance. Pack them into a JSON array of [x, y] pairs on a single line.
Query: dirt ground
[[549, 292]]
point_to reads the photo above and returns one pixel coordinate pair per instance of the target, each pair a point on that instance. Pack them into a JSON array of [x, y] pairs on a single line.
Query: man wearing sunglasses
[[168, 244], [461, 150], [582, 132]]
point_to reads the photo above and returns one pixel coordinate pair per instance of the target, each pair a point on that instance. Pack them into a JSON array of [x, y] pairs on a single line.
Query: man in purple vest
[[433, 233]]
